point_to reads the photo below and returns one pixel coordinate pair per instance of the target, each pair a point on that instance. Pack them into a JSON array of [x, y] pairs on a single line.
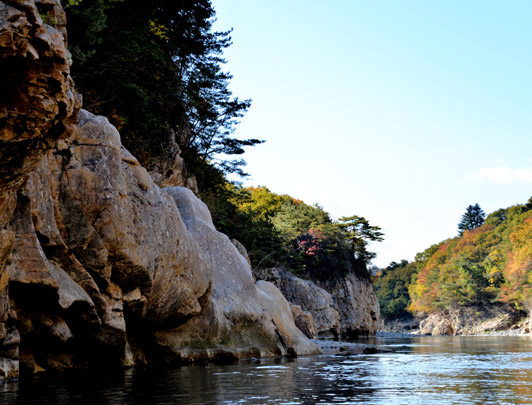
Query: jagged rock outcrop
[[106, 265], [309, 297], [38, 105], [356, 303], [170, 170], [470, 320], [345, 307]]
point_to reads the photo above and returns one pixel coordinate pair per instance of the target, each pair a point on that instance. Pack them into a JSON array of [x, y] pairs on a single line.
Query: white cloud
[[500, 175]]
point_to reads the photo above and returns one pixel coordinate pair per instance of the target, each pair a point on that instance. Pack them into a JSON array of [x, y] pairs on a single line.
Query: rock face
[[309, 297], [108, 266], [304, 321], [38, 105], [169, 169], [343, 308], [356, 303], [241, 318], [97, 263], [470, 320], [37, 99]]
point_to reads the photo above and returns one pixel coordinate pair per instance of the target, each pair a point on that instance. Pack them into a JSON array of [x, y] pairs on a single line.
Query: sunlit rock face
[[100, 246], [242, 318], [107, 266], [38, 105], [356, 303], [343, 307]]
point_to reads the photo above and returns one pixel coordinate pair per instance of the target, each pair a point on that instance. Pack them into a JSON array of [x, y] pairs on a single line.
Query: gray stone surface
[[107, 261]]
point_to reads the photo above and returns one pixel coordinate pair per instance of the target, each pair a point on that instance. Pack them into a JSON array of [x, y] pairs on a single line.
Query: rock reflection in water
[[443, 370]]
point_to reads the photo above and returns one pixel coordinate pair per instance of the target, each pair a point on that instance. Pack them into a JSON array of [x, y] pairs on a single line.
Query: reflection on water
[[446, 370]]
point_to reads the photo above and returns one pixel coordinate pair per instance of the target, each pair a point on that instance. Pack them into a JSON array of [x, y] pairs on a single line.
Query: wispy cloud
[[500, 175]]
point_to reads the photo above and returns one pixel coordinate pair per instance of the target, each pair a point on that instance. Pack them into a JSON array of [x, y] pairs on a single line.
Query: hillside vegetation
[[155, 69], [279, 230], [487, 264]]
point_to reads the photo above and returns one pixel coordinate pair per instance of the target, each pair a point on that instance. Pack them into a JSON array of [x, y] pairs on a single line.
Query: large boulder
[[243, 318], [101, 247]]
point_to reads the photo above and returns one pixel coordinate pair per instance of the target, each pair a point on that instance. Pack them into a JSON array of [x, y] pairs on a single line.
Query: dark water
[[446, 370]]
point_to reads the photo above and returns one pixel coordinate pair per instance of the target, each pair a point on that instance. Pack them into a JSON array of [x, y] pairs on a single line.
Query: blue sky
[[404, 112]]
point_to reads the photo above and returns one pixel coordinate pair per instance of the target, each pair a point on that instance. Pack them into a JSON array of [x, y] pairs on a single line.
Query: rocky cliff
[[38, 105], [345, 307], [356, 303], [108, 266], [97, 263]]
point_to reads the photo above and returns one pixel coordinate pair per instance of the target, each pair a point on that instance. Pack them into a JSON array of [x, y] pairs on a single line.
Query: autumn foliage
[[279, 230], [487, 264]]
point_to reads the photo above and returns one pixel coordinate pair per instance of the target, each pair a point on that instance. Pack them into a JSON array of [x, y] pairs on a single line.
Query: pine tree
[[155, 69], [472, 218]]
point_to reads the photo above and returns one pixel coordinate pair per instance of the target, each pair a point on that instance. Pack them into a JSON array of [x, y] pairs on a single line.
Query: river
[[443, 370]]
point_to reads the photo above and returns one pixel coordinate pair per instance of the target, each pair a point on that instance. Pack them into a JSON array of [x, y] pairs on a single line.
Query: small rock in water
[[370, 350]]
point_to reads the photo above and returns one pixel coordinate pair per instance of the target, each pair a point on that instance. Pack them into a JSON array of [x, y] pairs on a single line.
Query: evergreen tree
[[472, 218], [154, 68], [357, 233]]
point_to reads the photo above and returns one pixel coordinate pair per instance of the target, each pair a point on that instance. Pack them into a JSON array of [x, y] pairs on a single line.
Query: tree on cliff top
[[154, 68], [472, 218]]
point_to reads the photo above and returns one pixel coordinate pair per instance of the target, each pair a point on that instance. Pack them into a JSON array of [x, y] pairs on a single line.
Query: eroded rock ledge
[[471, 320], [107, 266]]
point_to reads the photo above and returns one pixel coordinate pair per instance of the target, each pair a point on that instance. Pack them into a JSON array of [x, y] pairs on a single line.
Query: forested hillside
[[391, 287], [485, 264], [279, 230]]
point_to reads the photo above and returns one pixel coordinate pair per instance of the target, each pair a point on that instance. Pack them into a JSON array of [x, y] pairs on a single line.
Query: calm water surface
[[443, 370]]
